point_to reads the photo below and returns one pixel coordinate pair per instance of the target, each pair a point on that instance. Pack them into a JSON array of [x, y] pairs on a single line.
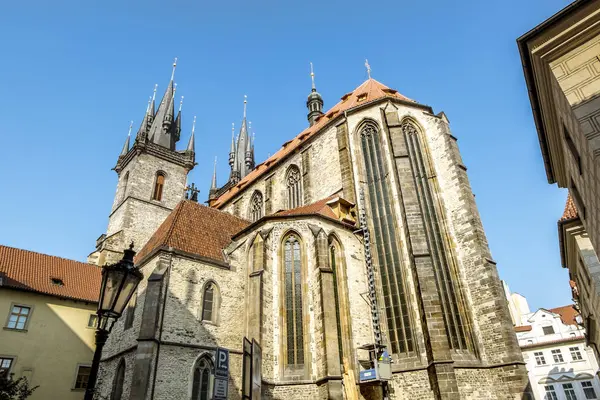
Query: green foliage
[[17, 389]]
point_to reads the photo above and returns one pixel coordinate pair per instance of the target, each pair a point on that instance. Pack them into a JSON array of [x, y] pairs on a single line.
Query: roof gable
[[50, 275], [195, 229], [369, 91], [570, 210]]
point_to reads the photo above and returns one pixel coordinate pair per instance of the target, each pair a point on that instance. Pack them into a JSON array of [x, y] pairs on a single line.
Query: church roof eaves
[[196, 230], [319, 209], [375, 92]]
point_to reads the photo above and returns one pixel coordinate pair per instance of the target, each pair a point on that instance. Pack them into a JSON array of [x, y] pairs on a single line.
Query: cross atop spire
[[368, 68], [174, 66], [312, 77]]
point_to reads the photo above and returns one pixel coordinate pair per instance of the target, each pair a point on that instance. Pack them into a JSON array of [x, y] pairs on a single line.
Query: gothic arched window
[[159, 184], [386, 242], [117, 389], [433, 220], [256, 206], [292, 264], [130, 311], [210, 303], [202, 379], [294, 192]]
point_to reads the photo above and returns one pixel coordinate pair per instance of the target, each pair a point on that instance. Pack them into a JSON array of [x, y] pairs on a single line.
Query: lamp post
[[119, 282]]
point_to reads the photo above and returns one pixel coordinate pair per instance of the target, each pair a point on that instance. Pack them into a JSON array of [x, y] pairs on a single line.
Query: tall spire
[[314, 103], [213, 185], [153, 104], [164, 130], [242, 151], [125, 149], [191, 143]]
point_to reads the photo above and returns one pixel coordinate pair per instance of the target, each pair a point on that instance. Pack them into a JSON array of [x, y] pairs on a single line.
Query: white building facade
[[559, 363]]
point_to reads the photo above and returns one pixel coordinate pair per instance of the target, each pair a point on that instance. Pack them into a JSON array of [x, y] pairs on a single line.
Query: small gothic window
[[158, 186], [124, 186], [256, 206], [117, 390], [130, 312], [294, 193], [201, 386], [293, 301], [209, 302]]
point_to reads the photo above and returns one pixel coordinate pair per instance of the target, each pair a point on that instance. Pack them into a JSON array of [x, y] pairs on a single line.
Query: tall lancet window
[[256, 206], [294, 192], [124, 185], [293, 301], [159, 184], [386, 243], [201, 385], [440, 249], [119, 379]]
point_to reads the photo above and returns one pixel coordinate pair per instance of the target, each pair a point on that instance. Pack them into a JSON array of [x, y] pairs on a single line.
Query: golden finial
[[312, 76], [174, 66], [181, 104], [245, 102], [368, 68]]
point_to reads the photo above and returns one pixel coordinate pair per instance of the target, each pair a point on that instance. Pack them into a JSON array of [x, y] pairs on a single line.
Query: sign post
[[221, 375]]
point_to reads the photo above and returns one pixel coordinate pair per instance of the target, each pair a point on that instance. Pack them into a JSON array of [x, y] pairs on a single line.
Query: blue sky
[[73, 74]]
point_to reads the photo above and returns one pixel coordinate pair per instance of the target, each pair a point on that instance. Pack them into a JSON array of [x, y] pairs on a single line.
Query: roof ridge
[[47, 255]]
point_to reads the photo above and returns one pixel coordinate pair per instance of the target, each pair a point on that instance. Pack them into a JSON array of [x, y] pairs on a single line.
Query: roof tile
[[195, 229], [567, 314], [570, 209], [27, 270], [368, 91]]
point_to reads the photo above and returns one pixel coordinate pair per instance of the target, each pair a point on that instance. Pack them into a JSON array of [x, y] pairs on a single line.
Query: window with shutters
[[202, 379], [294, 191], [159, 184], [292, 265], [210, 302]]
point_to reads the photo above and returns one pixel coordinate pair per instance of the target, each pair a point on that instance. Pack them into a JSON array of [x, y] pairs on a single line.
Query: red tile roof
[[319, 207], [570, 209], [368, 91], [567, 314], [195, 229], [523, 328], [27, 270]]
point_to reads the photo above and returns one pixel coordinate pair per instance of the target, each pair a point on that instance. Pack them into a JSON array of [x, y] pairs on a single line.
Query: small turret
[[164, 129], [314, 103], [125, 149]]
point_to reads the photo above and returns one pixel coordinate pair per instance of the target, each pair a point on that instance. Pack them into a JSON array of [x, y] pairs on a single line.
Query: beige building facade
[[561, 62], [47, 308], [283, 255]]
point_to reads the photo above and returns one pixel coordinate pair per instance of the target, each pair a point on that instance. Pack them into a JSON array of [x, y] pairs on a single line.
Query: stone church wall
[[319, 166]]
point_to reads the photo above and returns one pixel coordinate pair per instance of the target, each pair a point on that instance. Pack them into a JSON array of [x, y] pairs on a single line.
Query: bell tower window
[[159, 184]]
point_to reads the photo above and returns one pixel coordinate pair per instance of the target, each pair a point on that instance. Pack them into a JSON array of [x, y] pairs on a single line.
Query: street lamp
[[119, 283]]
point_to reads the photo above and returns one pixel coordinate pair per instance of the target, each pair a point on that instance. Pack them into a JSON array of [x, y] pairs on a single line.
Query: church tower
[[152, 178], [314, 103]]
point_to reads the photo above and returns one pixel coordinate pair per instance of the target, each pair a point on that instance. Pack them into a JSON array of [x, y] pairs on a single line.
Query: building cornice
[[184, 159]]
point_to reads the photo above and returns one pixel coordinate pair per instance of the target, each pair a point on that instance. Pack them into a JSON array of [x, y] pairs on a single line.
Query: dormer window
[[57, 281], [361, 97]]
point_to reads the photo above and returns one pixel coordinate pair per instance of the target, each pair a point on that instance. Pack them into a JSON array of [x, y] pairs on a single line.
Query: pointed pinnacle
[[214, 177], [245, 103], [174, 66]]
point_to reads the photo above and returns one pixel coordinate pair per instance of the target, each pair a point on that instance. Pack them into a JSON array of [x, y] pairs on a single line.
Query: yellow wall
[[56, 341]]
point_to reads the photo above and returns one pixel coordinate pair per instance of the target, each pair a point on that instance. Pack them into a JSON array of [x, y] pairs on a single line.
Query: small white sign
[[221, 387]]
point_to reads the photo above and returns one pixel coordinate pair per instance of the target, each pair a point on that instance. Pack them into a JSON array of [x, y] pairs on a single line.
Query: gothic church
[[361, 229]]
